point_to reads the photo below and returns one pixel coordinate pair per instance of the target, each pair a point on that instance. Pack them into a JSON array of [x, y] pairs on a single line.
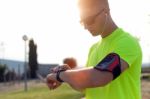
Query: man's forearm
[[85, 78]]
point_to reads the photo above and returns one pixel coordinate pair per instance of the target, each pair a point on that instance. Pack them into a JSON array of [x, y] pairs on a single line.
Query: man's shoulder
[[128, 42], [126, 38]]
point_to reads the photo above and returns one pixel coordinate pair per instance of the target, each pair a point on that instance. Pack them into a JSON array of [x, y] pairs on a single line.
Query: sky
[[54, 26]]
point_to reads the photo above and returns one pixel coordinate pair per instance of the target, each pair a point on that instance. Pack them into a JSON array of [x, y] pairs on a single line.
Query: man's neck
[[109, 29]]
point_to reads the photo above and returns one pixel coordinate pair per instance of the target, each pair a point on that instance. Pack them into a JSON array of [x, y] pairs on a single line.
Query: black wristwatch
[[58, 75]]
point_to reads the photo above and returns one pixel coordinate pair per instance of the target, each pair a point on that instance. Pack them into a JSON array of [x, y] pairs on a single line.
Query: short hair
[[92, 3]]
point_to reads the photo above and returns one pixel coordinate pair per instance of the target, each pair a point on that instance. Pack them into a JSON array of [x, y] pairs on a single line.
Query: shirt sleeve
[[89, 54], [128, 49]]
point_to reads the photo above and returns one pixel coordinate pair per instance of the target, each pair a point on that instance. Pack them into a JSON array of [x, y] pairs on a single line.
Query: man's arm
[[89, 77], [103, 73], [86, 78]]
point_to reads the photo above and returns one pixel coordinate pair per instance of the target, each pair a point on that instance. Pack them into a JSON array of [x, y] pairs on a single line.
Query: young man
[[114, 63]]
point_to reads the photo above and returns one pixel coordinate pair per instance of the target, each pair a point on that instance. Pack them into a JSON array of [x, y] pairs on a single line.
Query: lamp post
[[2, 52], [25, 38]]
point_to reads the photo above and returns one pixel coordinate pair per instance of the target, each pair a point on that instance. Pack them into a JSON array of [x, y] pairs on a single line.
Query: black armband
[[110, 63], [58, 75]]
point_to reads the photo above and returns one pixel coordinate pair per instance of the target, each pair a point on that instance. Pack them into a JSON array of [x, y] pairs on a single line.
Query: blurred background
[[36, 35]]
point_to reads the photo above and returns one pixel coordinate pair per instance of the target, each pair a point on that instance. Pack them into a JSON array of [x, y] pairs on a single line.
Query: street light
[[25, 38], [2, 52]]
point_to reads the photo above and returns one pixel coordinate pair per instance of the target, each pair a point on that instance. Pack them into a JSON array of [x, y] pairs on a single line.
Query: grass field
[[42, 92]]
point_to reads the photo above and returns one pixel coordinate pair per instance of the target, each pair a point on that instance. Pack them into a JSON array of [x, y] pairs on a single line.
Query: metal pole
[[25, 68], [25, 65]]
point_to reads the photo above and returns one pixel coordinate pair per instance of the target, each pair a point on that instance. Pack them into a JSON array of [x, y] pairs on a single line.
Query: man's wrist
[[58, 75]]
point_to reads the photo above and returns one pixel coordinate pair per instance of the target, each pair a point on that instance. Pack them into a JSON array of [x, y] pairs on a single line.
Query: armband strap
[[58, 75], [110, 63]]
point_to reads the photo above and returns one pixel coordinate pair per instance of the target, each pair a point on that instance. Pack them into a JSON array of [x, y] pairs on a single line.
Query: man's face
[[92, 18]]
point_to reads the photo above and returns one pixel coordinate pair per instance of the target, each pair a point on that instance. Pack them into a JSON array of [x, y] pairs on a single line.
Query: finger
[[53, 85], [61, 67], [52, 70], [56, 85], [65, 67], [50, 85], [58, 68]]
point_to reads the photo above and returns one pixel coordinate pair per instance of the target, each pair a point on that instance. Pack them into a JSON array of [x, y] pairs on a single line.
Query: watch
[[58, 75]]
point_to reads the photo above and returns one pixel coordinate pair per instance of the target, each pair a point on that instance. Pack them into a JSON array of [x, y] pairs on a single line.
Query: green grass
[[42, 92]]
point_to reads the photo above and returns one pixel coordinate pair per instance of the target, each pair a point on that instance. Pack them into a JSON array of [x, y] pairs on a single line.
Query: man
[[114, 63]]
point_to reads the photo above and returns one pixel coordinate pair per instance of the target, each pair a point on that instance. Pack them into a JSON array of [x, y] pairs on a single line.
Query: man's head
[[92, 3], [94, 15]]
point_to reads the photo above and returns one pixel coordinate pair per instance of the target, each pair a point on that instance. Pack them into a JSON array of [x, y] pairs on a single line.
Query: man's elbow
[[91, 84], [77, 87]]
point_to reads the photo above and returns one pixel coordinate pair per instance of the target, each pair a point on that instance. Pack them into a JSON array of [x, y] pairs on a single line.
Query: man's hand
[[51, 78], [51, 81], [61, 67]]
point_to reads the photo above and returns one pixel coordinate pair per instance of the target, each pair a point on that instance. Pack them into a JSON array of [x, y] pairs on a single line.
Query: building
[[44, 69], [18, 66]]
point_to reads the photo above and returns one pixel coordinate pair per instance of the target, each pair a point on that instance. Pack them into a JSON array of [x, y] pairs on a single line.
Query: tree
[[33, 65], [2, 72], [11, 75]]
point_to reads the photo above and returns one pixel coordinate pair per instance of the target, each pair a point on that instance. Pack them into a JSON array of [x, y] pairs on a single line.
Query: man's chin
[[94, 34]]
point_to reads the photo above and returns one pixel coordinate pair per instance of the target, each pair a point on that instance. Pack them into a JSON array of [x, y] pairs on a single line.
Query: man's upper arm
[[111, 63], [109, 69], [124, 65]]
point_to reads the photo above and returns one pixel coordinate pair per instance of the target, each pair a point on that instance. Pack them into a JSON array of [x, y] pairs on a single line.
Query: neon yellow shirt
[[127, 85]]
